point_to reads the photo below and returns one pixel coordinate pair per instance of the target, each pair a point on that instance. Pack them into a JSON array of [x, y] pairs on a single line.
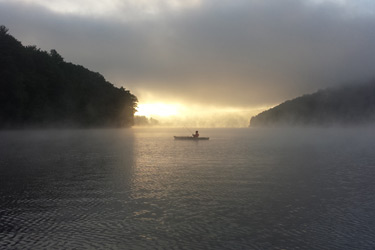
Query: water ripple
[[110, 189]]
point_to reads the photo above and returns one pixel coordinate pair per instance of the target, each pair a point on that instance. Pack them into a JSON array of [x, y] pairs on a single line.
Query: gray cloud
[[231, 53]]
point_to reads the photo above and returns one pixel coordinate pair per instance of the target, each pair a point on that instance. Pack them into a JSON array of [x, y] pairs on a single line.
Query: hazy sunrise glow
[[157, 109], [194, 115]]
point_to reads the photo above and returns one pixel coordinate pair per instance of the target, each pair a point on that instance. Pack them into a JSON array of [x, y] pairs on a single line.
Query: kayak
[[190, 138]]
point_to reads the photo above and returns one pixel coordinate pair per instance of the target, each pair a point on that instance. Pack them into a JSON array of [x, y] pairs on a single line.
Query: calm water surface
[[140, 189]]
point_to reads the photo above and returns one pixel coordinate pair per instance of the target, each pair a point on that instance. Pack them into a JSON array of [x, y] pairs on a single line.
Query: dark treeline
[[40, 89], [144, 121], [346, 105]]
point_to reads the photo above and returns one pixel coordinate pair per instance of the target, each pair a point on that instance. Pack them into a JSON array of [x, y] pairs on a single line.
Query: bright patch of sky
[[120, 8], [135, 9], [353, 7]]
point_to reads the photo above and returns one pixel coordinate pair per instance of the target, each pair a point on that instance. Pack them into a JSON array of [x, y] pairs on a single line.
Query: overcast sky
[[237, 53]]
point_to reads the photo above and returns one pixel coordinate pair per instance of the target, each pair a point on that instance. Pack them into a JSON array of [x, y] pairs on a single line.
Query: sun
[[157, 109]]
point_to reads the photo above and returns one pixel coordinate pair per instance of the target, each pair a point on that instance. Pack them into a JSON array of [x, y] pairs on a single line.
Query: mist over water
[[140, 189]]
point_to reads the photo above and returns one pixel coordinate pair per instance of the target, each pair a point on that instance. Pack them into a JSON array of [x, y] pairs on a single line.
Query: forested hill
[[348, 105], [40, 89]]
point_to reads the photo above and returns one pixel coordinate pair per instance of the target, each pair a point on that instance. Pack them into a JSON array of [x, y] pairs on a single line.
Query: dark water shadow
[[63, 188]]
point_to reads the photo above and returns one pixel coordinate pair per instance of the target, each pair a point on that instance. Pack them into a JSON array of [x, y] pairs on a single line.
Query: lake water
[[140, 189]]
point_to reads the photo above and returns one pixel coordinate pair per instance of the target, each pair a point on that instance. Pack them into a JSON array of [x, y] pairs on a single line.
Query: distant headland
[[40, 89], [346, 105]]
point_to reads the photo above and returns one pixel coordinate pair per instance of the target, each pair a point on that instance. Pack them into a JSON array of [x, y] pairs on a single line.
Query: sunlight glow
[[202, 116], [157, 109]]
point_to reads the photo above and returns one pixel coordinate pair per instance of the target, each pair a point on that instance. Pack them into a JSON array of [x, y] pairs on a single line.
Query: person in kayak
[[196, 135]]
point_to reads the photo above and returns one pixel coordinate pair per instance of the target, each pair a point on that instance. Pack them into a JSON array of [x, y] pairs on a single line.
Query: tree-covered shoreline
[[40, 89], [345, 106]]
